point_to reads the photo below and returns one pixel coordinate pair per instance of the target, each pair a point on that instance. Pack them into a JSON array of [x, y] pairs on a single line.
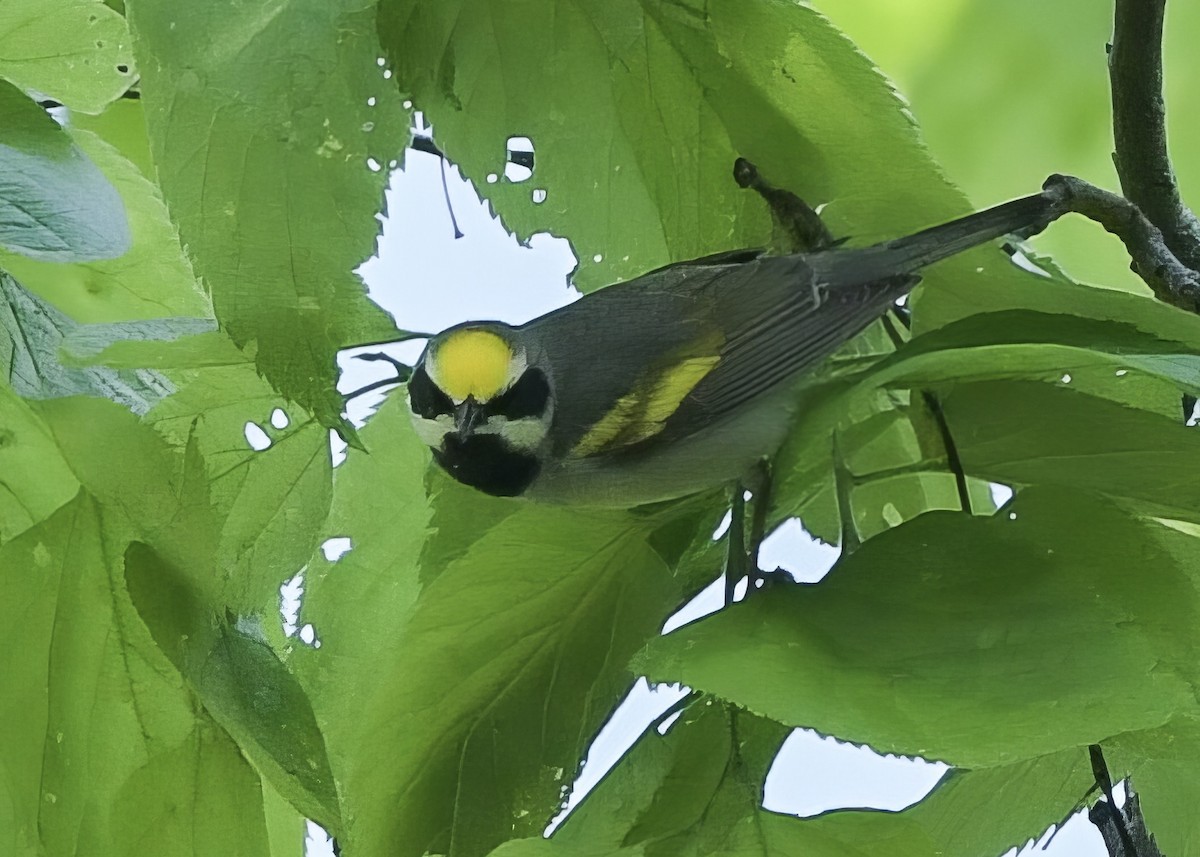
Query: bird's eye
[[426, 398], [526, 398]]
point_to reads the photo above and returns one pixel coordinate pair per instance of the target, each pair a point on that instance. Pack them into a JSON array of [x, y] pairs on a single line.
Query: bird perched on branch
[[674, 382]]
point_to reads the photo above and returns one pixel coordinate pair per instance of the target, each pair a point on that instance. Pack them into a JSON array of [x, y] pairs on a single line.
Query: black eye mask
[[526, 398], [427, 398]]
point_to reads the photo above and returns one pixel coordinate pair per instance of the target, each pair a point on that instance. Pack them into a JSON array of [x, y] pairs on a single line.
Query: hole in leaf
[[517, 172], [520, 159], [1001, 494], [336, 547], [256, 437]]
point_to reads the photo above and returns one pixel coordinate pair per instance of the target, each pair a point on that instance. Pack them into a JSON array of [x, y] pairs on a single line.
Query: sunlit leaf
[[978, 641], [76, 51], [262, 153]]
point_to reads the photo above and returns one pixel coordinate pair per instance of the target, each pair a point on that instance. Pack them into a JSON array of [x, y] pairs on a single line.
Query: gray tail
[[1026, 216]]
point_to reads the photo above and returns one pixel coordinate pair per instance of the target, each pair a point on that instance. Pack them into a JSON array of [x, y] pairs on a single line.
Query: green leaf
[[1036, 345], [31, 332], [980, 641], [284, 207], [34, 478], [637, 111], [55, 205], [241, 681], [152, 280], [697, 791], [76, 51], [105, 752], [216, 539], [459, 699], [1035, 434]]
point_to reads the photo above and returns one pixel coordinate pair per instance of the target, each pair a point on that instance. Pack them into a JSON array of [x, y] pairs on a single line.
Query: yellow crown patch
[[471, 363]]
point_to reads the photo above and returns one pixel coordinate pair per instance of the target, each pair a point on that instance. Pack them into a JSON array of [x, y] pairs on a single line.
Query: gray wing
[[606, 344], [760, 315], [778, 325]]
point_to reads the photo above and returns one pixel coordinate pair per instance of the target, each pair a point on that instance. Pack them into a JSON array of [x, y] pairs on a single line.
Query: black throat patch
[[486, 462]]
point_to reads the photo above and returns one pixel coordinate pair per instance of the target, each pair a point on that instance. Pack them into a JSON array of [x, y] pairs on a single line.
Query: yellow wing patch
[[643, 413], [471, 363]]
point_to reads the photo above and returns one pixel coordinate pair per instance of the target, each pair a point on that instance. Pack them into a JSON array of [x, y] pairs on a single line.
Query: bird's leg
[[735, 550], [799, 224], [843, 484], [761, 495]]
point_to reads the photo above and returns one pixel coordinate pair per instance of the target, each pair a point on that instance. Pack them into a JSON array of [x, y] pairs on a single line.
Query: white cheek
[[432, 431], [526, 433]]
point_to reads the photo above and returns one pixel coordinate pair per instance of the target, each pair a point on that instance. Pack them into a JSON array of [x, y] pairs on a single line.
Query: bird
[[672, 383]]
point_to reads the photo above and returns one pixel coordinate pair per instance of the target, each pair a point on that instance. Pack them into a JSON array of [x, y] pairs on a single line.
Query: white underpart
[[432, 431], [526, 433]]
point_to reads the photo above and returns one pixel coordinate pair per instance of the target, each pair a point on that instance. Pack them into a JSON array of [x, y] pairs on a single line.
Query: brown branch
[[1171, 280], [1112, 822], [1140, 126]]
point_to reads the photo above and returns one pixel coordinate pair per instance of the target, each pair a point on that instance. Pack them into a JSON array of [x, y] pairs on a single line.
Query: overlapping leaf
[[980, 641], [76, 51], [262, 151], [697, 791], [460, 703], [55, 205], [103, 749]]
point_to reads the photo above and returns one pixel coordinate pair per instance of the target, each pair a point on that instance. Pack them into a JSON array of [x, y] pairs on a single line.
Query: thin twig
[[735, 549], [458, 233], [1132, 820], [758, 520], [1171, 280], [805, 230], [953, 461], [1140, 126]]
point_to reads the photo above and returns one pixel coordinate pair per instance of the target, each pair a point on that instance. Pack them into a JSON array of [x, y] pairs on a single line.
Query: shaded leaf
[[241, 681], [151, 281], [459, 699], [55, 205], [34, 478], [1031, 434], [104, 750], [698, 790], [673, 93], [31, 332]]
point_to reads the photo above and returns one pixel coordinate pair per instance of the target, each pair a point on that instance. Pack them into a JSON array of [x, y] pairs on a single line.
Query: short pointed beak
[[466, 416]]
